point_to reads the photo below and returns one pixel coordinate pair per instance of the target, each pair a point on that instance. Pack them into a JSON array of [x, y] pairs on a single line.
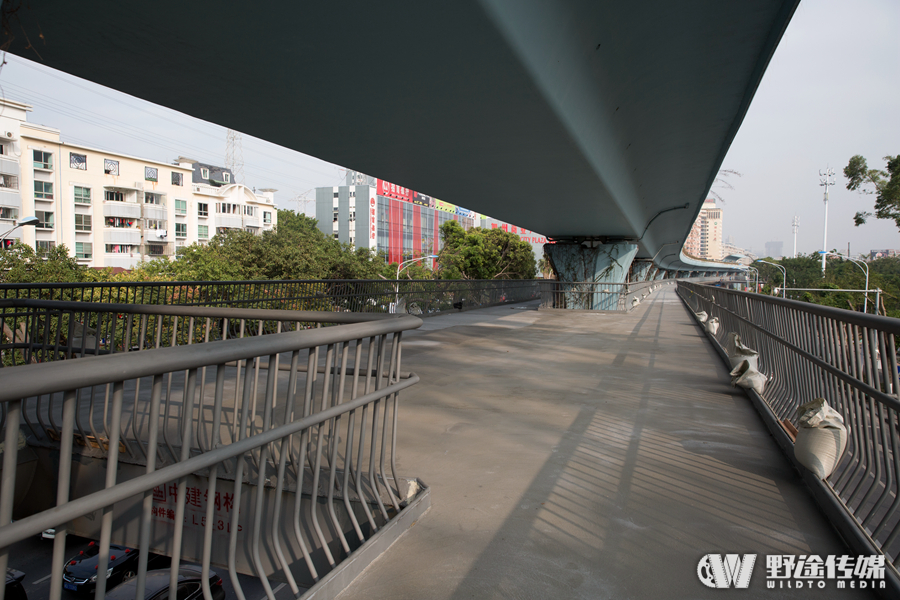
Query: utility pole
[[827, 180], [234, 155], [795, 225]]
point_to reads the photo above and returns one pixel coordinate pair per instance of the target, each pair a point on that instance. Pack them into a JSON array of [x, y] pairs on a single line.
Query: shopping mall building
[[372, 213]]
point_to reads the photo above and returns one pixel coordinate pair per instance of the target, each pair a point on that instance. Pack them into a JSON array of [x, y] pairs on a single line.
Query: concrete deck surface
[[577, 455]]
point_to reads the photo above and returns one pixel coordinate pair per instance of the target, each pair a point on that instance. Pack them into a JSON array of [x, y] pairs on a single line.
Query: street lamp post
[[400, 268], [783, 272], [862, 266], [756, 287], [21, 223]]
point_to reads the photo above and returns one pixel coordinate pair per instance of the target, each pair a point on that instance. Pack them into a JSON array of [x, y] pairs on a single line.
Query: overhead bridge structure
[[601, 124]]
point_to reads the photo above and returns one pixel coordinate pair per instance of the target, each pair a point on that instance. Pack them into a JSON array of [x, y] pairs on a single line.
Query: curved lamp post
[[859, 264], [400, 268], [25, 221], [783, 272], [755, 289]]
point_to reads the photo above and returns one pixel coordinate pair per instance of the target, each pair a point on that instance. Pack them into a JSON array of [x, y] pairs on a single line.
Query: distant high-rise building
[[705, 238], [775, 249]]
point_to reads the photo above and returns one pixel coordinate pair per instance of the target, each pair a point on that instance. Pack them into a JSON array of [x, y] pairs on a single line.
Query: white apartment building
[[115, 210]]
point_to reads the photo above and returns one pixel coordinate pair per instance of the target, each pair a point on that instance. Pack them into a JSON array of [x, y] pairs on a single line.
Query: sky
[[830, 92]]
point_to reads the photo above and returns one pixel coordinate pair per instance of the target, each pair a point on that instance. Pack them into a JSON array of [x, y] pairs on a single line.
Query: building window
[[120, 248], [204, 173], [43, 190], [226, 177], [267, 217], [154, 224], [9, 182], [151, 174], [7, 212], [249, 211], [43, 160], [152, 198], [202, 209], [181, 207], [110, 167], [82, 195], [156, 250], [177, 178], [43, 247], [82, 222], [84, 250], [45, 219], [180, 230], [335, 215], [203, 232], [77, 161], [111, 196], [228, 208], [119, 222]]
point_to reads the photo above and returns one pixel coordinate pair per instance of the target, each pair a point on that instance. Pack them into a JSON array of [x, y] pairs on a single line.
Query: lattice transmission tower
[[234, 155]]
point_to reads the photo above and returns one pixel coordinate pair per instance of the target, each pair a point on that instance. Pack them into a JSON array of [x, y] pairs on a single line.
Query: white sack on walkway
[[702, 316], [712, 325], [821, 437], [746, 376], [738, 352]]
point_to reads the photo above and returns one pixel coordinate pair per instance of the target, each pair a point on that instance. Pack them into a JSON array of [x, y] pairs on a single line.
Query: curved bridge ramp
[[271, 455]]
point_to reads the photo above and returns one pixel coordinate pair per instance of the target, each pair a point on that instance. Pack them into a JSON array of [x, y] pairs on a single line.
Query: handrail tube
[[47, 378], [33, 525], [878, 395], [213, 312], [888, 324]]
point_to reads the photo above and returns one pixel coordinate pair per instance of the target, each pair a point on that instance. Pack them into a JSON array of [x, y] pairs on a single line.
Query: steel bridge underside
[[581, 119]]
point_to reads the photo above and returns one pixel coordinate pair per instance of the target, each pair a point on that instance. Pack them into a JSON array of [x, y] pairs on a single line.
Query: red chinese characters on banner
[[196, 499], [394, 191], [372, 230]]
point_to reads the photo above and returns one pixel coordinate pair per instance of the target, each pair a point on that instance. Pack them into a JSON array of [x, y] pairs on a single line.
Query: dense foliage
[[484, 254], [296, 249], [806, 272], [884, 185]]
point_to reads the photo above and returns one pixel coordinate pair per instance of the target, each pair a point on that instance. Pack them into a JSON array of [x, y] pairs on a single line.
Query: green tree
[[21, 264], [885, 185], [484, 254]]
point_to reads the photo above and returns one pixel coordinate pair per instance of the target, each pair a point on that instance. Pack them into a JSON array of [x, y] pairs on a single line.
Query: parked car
[[190, 585], [14, 589], [80, 573]]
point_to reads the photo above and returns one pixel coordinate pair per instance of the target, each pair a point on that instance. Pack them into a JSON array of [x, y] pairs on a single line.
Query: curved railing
[[297, 429], [848, 358]]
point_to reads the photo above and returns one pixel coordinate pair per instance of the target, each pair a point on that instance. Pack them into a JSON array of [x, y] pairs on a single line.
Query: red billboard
[[396, 192]]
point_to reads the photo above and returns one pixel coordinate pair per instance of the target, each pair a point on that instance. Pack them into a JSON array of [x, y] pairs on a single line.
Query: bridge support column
[[592, 262], [660, 274], [640, 270]]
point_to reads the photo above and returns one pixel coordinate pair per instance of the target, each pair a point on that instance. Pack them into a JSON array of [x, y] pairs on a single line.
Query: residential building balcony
[[130, 237], [122, 209]]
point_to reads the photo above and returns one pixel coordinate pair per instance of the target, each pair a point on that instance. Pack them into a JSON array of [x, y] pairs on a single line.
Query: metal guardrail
[[282, 412], [850, 359], [590, 295], [423, 297]]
